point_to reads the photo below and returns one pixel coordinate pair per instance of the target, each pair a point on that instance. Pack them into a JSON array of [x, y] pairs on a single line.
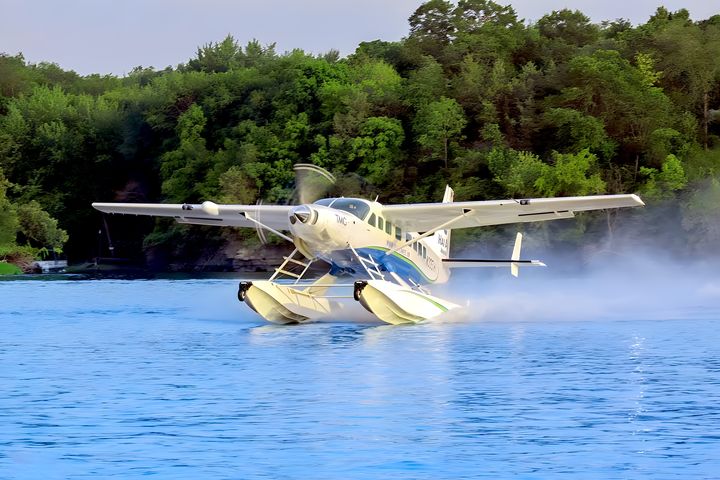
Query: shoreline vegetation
[[473, 96], [9, 269]]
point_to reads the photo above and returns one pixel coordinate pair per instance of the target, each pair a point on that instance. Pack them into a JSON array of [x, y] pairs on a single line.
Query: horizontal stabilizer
[[477, 263], [514, 263]]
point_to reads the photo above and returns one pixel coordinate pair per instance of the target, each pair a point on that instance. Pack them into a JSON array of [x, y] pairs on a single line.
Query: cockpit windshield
[[325, 202], [359, 208]]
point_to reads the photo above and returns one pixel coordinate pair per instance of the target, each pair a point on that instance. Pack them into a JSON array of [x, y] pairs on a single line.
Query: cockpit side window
[[371, 220]]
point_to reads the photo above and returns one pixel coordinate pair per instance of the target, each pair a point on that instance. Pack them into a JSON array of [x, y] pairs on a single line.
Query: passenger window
[[371, 220], [423, 251], [408, 237], [380, 223], [388, 228], [398, 233]]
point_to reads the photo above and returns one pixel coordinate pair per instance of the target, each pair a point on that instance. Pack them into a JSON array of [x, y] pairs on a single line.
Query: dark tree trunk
[[637, 167], [706, 118], [446, 153]]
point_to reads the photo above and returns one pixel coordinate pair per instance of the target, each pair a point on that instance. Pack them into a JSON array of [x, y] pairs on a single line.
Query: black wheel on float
[[242, 290], [359, 285]]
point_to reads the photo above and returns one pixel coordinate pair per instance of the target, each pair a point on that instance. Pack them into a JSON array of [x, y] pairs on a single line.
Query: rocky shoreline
[[232, 258]]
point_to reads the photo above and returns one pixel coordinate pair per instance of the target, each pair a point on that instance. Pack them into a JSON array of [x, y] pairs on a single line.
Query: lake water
[[175, 378]]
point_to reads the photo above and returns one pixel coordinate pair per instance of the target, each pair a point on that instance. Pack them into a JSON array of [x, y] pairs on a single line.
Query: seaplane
[[386, 257]]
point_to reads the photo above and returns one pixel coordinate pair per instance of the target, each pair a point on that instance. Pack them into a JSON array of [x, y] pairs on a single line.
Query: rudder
[[440, 242]]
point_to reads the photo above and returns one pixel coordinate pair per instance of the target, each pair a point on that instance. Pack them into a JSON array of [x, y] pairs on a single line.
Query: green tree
[[183, 169], [431, 27], [564, 31], [471, 16], [517, 172], [612, 29], [217, 57], [571, 175], [438, 124], [662, 183], [39, 228], [487, 31], [15, 77], [379, 149], [425, 84], [237, 186], [394, 53], [667, 141], [572, 131], [689, 57], [487, 92], [571, 26], [606, 86], [379, 81], [369, 87], [525, 174], [8, 216]]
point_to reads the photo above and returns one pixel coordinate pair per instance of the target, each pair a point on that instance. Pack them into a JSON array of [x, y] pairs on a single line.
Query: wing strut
[[466, 211], [262, 225]]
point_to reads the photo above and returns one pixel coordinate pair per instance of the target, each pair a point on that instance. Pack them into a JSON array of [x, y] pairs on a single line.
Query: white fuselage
[[338, 237]]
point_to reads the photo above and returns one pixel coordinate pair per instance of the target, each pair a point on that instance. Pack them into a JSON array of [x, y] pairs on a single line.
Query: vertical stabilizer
[[514, 269], [440, 240]]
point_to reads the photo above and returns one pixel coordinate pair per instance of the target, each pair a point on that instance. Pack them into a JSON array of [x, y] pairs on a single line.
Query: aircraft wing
[[421, 217], [207, 213]]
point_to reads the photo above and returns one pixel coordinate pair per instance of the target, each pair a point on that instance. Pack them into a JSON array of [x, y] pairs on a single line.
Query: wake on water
[[642, 288]]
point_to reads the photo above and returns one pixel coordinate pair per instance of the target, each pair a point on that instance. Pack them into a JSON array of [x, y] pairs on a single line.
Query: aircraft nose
[[303, 214]]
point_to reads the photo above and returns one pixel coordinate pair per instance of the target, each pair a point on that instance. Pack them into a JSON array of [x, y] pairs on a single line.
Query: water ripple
[[175, 379]]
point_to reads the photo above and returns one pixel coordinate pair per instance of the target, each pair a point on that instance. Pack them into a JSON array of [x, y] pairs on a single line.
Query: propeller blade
[[311, 182]]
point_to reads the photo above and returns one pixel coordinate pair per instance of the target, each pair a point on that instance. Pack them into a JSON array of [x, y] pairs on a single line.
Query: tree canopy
[[473, 96]]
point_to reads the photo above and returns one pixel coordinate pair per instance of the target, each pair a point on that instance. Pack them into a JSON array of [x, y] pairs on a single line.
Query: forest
[[473, 96]]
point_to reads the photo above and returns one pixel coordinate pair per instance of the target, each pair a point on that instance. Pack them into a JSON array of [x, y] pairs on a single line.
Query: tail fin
[[440, 240], [514, 270]]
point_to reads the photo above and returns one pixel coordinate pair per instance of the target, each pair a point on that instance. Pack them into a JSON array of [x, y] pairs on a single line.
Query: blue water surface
[[176, 379]]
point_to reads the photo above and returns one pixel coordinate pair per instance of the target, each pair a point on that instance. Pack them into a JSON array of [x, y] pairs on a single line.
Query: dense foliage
[[29, 225], [473, 97]]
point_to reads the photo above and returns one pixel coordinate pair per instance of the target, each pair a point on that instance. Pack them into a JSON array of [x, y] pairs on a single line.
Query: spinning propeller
[[311, 183]]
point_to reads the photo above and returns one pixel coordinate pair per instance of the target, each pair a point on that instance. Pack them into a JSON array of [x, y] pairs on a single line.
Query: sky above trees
[[107, 36]]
